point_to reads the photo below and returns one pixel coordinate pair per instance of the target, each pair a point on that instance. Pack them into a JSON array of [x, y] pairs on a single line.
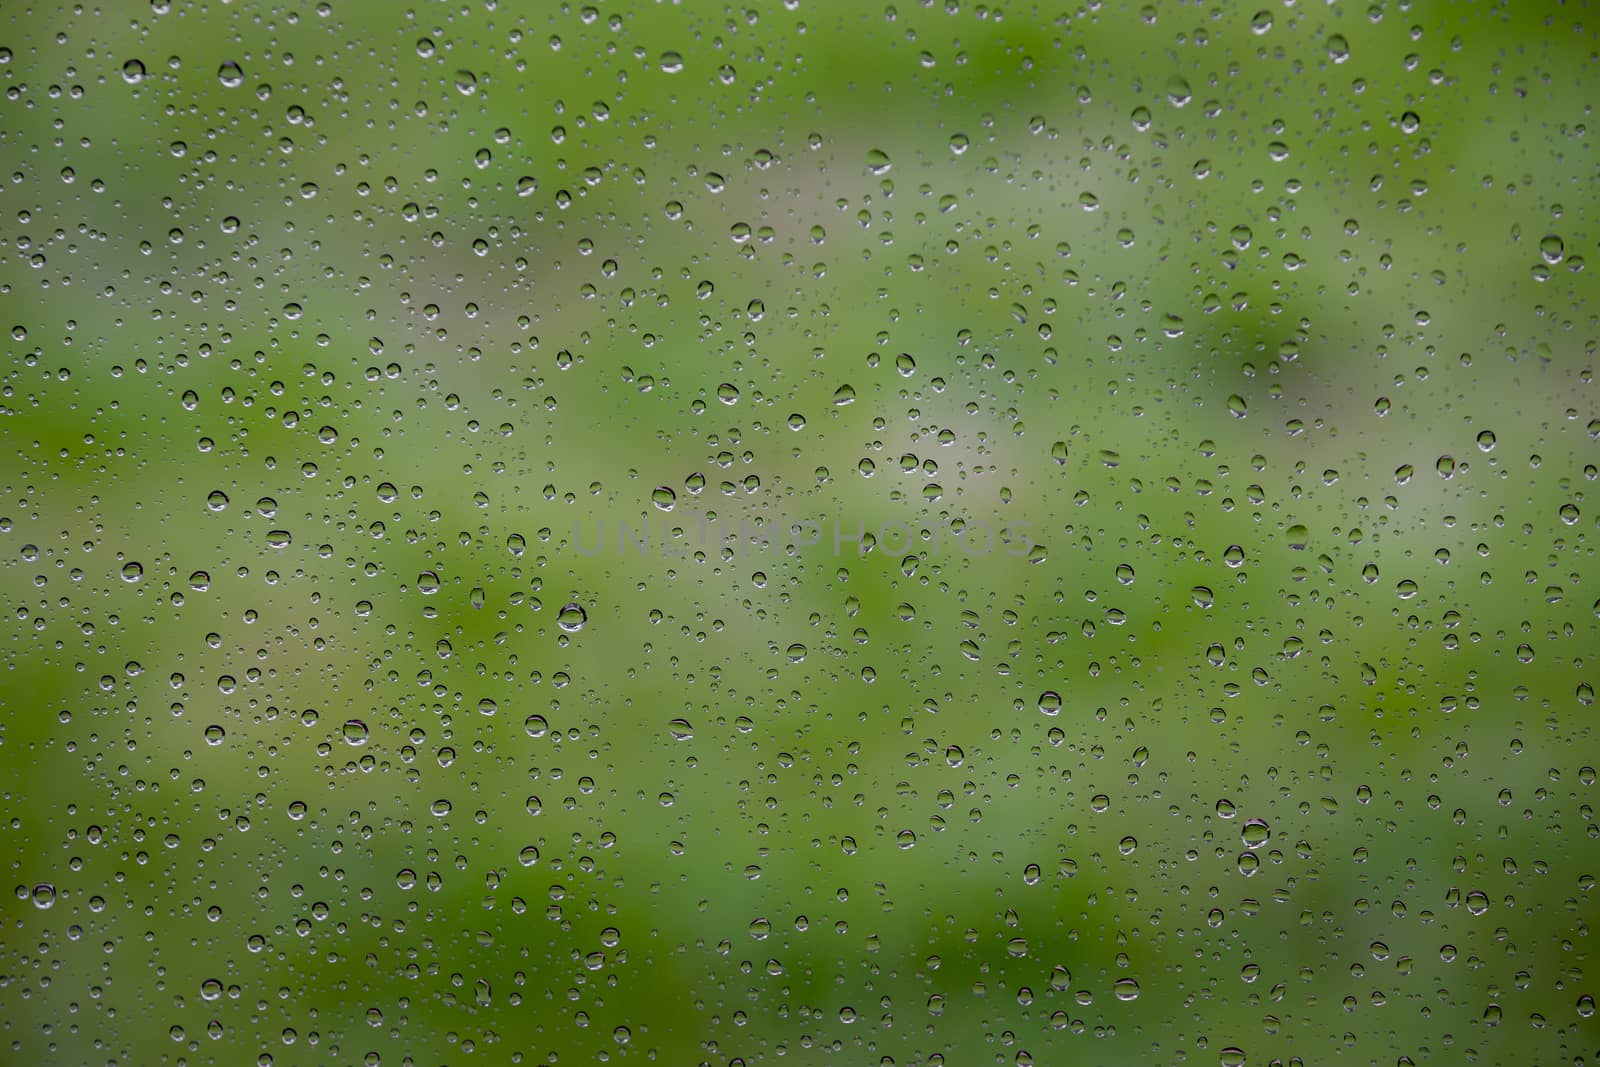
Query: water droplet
[[230, 75], [572, 617], [354, 731]]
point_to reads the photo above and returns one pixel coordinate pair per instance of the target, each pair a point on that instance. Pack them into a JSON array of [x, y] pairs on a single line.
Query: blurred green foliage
[[1213, 387]]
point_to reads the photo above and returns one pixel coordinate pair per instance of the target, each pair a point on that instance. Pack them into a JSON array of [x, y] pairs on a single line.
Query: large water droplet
[[572, 617]]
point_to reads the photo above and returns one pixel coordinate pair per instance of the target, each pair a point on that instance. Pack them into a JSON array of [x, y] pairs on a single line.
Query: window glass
[[809, 532]]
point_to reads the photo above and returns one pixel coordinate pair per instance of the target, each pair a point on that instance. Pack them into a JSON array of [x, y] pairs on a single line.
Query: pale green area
[[1169, 279]]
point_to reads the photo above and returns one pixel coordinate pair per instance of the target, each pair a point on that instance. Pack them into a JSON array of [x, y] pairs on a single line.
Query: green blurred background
[[339, 334]]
